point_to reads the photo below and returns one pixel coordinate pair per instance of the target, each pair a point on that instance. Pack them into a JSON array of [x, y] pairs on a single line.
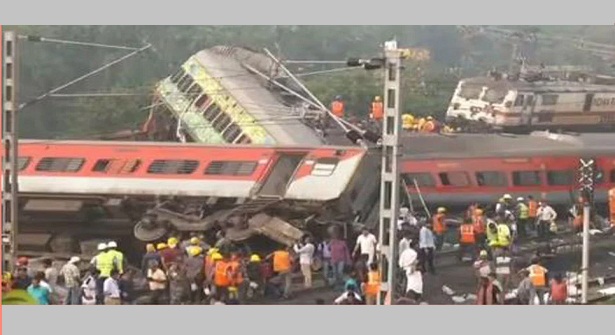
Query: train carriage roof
[[430, 146], [556, 86]]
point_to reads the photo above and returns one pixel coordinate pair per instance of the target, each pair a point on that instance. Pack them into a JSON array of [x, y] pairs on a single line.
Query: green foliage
[[45, 66]]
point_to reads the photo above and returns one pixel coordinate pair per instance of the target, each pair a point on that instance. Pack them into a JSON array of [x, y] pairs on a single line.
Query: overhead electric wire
[[34, 38]]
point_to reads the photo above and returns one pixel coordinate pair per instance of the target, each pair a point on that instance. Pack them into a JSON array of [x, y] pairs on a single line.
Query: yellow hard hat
[[150, 247], [195, 251], [172, 241], [377, 98], [212, 251], [441, 209], [161, 246], [216, 256], [195, 240], [255, 258]]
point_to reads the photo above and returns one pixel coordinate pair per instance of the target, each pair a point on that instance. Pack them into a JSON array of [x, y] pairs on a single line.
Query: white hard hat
[[112, 244], [507, 196], [520, 199], [102, 246], [74, 260]]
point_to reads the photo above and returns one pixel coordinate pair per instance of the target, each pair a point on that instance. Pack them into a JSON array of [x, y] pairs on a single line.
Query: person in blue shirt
[[39, 292], [353, 282]]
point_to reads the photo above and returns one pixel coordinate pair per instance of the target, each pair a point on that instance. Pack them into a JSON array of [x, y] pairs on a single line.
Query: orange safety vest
[[532, 208], [537, 275], [467, 234], [438, 224], [479, 224], [373, 283], [337, 107], [221, 276], [236, 276], [612, 206], [281, 261], [377, 110]]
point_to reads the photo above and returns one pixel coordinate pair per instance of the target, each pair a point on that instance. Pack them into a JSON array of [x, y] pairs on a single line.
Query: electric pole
[[586, 181], [10, 160]]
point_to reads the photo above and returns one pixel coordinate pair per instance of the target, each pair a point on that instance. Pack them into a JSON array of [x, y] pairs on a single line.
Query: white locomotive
[[537, 101]]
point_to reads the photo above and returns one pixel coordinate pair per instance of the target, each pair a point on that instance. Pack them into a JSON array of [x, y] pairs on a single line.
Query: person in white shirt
[[88, 288], [350, 293], [545, 215], [427, 247], [306, 256], [408, 262], [111, 289], [366, 245], [404, 243]]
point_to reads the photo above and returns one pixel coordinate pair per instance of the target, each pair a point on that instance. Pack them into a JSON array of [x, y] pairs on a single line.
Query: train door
[[280, 174], [528, 109], [587, 105]]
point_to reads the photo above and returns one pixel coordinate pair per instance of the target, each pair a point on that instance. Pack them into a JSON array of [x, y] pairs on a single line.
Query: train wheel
[[145, 232]]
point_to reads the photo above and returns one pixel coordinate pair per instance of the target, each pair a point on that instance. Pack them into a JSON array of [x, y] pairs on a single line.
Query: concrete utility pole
[[586, 182], [10, 160]]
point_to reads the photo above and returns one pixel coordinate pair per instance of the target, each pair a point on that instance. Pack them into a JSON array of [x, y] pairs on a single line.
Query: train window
[[194, 91], [560, 178], [22, 163], [243, 139], [423, 179], [457, 179], [519, 100], [163, 166], [102, 165], [222, 122], [526, 178], [178, 75], [549, 99], [491, 178], [185, 84], [202, 101], [60, 164], [211, 112], [231, 132], [231, 168], [325, 166]]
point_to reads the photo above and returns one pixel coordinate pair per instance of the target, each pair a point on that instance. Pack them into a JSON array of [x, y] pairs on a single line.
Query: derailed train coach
[[75, 191]]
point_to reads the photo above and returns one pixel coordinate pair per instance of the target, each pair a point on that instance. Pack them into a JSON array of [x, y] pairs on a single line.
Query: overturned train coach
[[74, 191]]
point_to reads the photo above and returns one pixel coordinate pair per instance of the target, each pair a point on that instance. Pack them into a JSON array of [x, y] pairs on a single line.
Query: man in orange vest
[[377, 111], [222, 279], [235, 277], [282, 266], [539, 278], [372, 286], [467, 240], [532, 205], [480, 226], [439, 227], [337, 107]]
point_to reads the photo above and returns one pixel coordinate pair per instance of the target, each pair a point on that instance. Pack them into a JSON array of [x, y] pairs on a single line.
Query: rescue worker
[[482, 265], [170, 253], [498, 236], [210, 270], [254, 276], [503, 204], [538, 276], [118, 255], [532, 208], [150, 255], [235, 277], [439, 227], [467, 240], [104, 262], [377, 110], [372, 286], [408, 122], [523, 215], [194, 244], [503, 270], [420, 123], [194, 273], [338, 108], [222, 280], [479, 223], [282, 266]]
